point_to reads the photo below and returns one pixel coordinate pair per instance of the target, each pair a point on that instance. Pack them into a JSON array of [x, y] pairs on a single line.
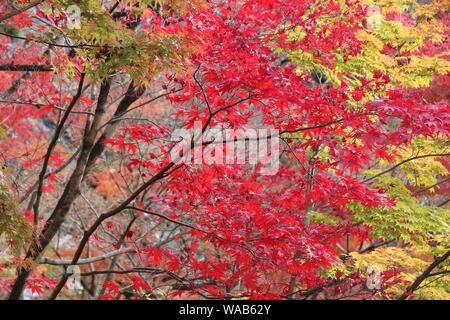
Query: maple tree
[[88, 116]]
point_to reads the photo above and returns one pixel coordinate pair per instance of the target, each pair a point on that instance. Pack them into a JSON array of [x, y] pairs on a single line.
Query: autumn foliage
[[357, 91]]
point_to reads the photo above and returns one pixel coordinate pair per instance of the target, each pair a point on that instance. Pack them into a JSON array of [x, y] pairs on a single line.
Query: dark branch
[[426, 274], [403, 162]]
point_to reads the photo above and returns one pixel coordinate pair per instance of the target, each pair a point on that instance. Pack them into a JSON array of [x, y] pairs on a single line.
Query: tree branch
[[184, 224], [52, 146], [432, 186], [403, 162], [426, 274], [15, 12]]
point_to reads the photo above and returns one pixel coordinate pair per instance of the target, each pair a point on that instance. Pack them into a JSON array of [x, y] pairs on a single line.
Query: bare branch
[[425, 274], [403, 162], [15, 12], [432, 186], [57, 262], [26, 67], [53, 144]]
